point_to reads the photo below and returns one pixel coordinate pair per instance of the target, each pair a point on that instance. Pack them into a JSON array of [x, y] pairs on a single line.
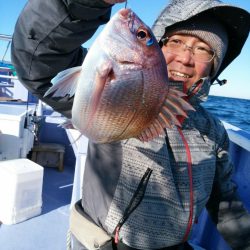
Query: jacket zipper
[[134, 202]]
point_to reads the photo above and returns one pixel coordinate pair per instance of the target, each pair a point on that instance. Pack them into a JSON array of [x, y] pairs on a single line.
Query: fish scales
[[113, 121]]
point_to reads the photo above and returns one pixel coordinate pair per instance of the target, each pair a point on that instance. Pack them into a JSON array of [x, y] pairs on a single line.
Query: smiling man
[[194, 50]]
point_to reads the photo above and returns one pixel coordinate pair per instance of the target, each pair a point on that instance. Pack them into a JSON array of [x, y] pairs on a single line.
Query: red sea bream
[[121, 90]]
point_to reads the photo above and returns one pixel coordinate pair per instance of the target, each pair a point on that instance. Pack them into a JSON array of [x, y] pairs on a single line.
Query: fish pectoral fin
[[64, 83], [103, 73]]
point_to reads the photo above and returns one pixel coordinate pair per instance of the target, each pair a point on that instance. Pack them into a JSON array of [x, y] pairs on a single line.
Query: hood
[[235, 20]]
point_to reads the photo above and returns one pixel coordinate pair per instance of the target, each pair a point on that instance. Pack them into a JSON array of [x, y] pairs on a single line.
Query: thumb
[[114, 1]]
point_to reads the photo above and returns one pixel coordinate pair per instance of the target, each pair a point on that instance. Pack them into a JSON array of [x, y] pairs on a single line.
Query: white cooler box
[[21, 182]]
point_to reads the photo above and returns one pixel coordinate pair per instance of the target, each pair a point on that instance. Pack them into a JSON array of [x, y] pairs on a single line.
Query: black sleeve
[[47, 39]]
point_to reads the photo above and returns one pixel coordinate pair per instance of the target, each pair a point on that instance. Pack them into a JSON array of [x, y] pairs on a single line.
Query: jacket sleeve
[[225, 207], [47, 39]]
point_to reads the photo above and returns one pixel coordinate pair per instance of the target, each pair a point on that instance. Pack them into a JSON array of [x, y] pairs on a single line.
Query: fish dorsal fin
[[173, 106], [65, 83]]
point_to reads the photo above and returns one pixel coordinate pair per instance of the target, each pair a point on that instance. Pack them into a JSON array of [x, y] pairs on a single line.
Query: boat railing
[[6, 73], [6, 77], [238, 136]]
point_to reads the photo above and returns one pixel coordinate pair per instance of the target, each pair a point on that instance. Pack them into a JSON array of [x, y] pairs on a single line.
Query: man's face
[[182, 65]]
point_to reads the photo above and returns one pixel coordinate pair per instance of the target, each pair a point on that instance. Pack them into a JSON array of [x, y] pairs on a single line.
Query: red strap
[[117, 234], [191, 194]]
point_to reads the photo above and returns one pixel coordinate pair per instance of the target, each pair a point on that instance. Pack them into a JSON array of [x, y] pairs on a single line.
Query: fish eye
[[142, 34]]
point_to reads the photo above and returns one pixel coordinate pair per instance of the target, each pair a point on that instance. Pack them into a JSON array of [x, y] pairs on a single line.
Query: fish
[[121, 90]]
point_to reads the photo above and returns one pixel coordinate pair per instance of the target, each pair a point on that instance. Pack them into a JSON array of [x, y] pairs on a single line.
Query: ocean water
[[231, 110]]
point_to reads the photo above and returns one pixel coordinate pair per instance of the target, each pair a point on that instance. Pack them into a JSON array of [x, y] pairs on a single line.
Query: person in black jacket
[[180, 173]]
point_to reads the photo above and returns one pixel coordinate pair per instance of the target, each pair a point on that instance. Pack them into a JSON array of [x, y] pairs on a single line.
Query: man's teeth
[[179, 74]]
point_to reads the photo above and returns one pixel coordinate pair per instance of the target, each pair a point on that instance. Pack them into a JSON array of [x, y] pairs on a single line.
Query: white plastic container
[[16, 140], [21, 182]]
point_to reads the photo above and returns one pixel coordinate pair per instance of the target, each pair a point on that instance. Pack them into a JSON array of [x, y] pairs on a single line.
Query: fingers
[[114, 1]]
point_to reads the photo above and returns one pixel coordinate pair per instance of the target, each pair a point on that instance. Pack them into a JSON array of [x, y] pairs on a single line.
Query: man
[[147, 195]]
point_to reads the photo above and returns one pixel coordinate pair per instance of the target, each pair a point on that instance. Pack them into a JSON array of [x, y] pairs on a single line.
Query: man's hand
[[114, 1]]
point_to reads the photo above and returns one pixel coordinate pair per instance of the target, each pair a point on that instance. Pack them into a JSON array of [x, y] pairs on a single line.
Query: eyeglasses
[[199, 53]]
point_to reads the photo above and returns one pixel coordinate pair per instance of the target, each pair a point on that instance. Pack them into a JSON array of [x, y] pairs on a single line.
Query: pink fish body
[[121, 90]]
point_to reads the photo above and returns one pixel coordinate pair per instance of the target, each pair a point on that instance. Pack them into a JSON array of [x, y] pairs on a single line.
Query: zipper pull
[[117, 234]]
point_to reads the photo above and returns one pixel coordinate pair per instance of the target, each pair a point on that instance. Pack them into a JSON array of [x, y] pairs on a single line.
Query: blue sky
[[237, 73]]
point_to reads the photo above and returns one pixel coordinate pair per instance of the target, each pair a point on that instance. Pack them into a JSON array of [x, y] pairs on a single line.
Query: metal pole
[[6, 50], [6, 37]]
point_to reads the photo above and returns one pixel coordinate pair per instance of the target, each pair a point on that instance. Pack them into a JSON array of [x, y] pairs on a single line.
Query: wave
[[231, 110]]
